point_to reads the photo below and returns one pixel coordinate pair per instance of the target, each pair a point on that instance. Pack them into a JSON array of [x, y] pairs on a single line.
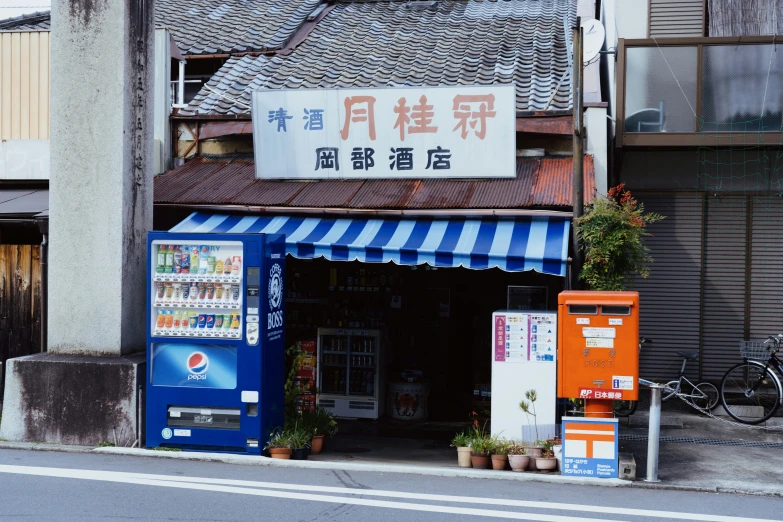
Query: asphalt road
[[43, 485]]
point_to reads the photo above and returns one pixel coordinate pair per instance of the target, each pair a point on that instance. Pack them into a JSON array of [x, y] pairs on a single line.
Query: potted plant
[[499, 454], [299, 439], [461, 441], [319, 423], [517, 458], [547, 461], [529, 407], [480, 452], [279, 445]]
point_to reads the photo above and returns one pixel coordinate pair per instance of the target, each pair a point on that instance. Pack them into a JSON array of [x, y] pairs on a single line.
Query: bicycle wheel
[[749, 393], [672, 389], [706, 396], [624, 408]]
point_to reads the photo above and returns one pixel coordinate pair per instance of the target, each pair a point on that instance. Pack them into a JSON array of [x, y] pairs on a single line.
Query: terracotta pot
[[518, 462], [480, 461], [280, 453], [533, 453], [546, 463], [317, 444], [463, 457], [499, 462]]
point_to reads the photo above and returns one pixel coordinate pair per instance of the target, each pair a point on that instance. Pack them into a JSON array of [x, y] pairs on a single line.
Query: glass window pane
[[741, 88], [660, 89]]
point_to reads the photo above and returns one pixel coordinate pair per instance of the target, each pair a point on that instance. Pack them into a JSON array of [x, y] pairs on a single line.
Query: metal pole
[[654, 433], [577, 90], [181, 83]]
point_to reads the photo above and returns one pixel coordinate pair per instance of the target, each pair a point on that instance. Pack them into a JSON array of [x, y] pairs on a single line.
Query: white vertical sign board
[[402, 132], [524, 357]]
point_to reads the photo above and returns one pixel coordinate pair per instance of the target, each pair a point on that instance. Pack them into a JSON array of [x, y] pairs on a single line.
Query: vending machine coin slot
[[253, 303]]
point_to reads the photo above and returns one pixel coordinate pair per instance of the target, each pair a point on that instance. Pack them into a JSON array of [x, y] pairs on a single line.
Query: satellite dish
[[594, 35]]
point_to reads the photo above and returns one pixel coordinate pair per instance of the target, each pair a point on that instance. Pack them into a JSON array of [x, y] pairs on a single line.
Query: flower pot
[[317, 444], [533, 453], [280, 453], [518, 462], [480, 461], [546, 463], [499, 462], [463, 457], [300, 454]]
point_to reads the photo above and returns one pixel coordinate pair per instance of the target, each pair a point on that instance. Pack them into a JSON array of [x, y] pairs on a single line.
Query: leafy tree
[[611, 234]]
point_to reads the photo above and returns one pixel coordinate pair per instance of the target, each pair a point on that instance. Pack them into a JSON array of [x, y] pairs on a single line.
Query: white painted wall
[[24, 160], [621, 19], [162, 94], [598, 146]]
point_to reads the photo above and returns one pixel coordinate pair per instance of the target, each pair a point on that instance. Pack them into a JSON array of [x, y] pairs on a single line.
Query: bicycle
[[704, 394], [750, 391]]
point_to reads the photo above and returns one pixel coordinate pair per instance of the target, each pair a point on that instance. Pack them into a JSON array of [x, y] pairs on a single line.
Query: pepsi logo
[[197, 366]]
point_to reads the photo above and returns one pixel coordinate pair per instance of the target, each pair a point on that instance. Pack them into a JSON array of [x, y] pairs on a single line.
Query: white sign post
[[406, 132]]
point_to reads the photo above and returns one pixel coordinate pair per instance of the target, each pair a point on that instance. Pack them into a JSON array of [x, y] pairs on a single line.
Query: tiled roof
[[540, 182], [231, 26], [28, 22], [391, 43]]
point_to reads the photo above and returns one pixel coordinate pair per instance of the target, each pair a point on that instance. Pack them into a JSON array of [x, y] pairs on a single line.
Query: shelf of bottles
[[348, 362], [197, 290]]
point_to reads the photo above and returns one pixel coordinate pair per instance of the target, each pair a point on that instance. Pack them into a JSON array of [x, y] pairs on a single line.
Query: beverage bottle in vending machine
[[194, 250], [203, 260], [177, 259], [161, 264], [227, 266], [177, 319], [169, 319], [185, 262], [169, 268], [161, 319]]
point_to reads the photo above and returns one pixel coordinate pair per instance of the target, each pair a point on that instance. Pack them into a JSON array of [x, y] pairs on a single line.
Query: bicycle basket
[[753, 350]]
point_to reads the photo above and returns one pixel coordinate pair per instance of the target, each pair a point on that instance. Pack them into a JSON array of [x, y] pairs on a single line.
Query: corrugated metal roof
[[388, 43], [540, 182]]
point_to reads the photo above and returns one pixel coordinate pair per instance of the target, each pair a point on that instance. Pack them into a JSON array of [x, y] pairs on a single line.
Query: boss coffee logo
[[275, 293]]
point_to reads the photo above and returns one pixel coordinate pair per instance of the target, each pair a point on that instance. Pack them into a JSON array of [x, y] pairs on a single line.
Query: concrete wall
[[101, 184]]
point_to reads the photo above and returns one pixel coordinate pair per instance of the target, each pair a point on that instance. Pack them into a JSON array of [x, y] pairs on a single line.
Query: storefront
[[400, 309]]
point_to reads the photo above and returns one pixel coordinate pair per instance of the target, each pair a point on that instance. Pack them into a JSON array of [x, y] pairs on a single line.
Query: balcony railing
[[689, 91]]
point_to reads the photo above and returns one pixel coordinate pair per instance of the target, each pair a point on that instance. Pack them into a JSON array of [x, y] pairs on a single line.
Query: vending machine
[[215, 337], [349, 378]]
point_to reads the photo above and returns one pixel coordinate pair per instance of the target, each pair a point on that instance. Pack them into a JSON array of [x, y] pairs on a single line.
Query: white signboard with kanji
[[405, 132]]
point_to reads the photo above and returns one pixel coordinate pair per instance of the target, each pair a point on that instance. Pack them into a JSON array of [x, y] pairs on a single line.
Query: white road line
[[125, 478], [402, 495]]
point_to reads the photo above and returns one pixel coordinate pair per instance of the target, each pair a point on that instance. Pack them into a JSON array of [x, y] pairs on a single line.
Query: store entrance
[[433, 339]]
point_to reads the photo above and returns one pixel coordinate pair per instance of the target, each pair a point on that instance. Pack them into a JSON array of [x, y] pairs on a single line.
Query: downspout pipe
[[43, 226]]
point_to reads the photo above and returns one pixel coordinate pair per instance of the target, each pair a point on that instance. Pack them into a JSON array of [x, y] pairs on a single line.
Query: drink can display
[[185, 291], [218, 266], [169, 319], [218, 321], [185, 263], [192, 319], [202, 320], [226, 293], [227, 266], [219, 292], [210, 320], [202, 291], [236, 265], [226, 321], [176, 287], [235, 292], [169, 290], [211, 291], [235, 321], [161, 289], [177, 259], [193, 291], [211, 265]]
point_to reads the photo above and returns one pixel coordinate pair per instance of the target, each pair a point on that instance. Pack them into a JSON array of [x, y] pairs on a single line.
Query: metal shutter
[[675, 18], [766, 281], [723, 319], [670, 296]]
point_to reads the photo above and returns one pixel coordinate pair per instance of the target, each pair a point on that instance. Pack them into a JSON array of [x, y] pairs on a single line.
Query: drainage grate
[[713, 442]]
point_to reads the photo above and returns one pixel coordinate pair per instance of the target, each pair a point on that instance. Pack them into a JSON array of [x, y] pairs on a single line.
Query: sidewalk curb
[[251, 460]]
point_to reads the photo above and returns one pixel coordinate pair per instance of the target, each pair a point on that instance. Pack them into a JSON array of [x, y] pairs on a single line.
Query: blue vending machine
[[215, 340]]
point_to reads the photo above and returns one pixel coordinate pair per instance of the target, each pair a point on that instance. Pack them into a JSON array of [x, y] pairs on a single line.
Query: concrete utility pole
[[84, 390], [577, 90]]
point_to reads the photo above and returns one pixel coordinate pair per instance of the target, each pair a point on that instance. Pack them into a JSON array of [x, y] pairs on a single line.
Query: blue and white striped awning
[[514, 244]]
